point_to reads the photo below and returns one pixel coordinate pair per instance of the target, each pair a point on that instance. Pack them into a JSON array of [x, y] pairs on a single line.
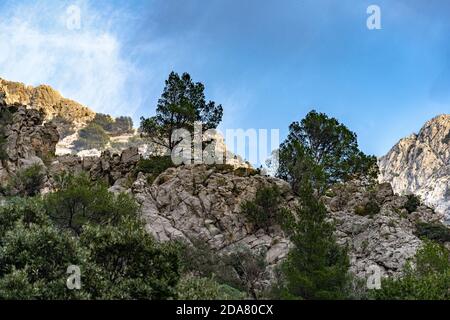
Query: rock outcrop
[[28, 139], [44, 98], [201, 202], [420, 164], [376, 226], [113, 168]]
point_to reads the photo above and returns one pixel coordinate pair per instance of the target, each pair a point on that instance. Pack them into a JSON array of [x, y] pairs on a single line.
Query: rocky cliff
[[420, 164], [28, 139], [44, 98]]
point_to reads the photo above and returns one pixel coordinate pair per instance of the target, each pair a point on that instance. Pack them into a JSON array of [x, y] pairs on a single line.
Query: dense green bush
[[240, 268], [35, 258], [154, 166], [120, 125], [80, 200], [433, 231], [132, 264], [265, 209], [92, 136], [27, 182], [370, 208], [428, 280], [118, 259], [197, 288], [412, 203]]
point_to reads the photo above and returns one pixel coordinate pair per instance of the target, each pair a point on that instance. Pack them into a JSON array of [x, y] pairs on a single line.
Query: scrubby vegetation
[[117, 126], [412, 203], [240, 270], [370, 208], [433, 231], [27, 182], [92, 136], [427, 277], [265, 210], [153, 166], [65, 126], [116, 256], [197, 288]]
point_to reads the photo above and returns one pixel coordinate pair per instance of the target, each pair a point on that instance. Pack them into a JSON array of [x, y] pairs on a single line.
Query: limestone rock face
[[111, 167], [420, 164], [199, 202], [385, 237], [27, 138]]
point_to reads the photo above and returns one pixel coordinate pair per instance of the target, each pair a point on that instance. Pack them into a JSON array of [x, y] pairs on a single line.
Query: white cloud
[[86, 65]]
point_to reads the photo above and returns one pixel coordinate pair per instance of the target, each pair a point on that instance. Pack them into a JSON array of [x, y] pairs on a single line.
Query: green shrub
[[25, 211], [240, 268], [429, 280], [92, 136], [412, 203], [117, 257], [132, 264], [27, 182], [34, 261], [80, 200], [120, 125], [197, 288], [371, 208], [433, 231], [154, 166], [264, 210]]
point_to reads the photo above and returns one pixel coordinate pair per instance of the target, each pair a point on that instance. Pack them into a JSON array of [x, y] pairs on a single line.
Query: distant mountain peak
[[420, 164]]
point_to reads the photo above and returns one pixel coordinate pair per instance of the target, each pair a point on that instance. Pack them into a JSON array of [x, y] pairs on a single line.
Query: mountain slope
[[420, 164], [45, 98]]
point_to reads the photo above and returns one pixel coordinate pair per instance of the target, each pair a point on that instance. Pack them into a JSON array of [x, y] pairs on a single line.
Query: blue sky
[[267, 62]]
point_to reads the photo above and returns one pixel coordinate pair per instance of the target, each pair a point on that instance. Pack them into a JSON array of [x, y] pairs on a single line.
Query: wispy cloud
[[85, 64]]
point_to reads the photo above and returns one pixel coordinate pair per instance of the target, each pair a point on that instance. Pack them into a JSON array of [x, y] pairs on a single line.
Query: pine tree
[[316, 268], [181, 104]]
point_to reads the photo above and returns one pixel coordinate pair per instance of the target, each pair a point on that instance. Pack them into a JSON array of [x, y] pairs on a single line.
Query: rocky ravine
[[420, 164], [203, 202]]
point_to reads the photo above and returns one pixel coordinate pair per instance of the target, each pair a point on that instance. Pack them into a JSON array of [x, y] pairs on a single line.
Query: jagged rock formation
[[385, 236], [420, 164], [201, 202], [28, 140], [44, 98], [110, 167]]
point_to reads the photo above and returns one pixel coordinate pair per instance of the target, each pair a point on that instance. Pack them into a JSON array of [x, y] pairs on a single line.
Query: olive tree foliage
[[324, 150], [181, 104]]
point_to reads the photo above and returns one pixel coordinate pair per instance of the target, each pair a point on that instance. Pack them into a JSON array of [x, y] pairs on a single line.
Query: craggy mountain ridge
[[420, 164], [204, 202]]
